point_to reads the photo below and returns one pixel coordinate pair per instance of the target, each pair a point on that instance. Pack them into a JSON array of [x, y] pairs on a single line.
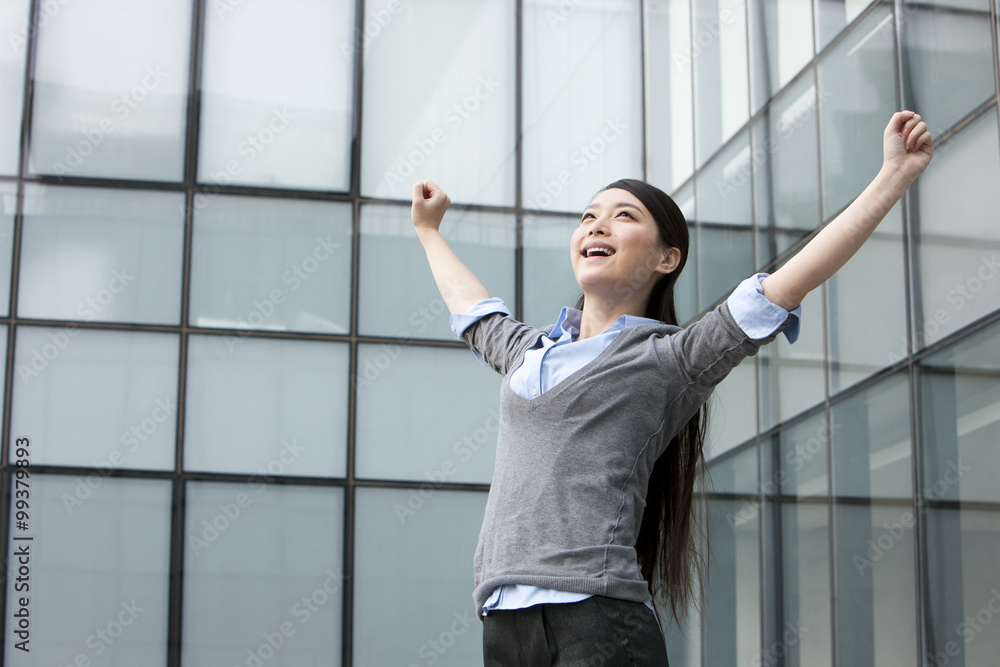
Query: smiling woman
[[589, 516]]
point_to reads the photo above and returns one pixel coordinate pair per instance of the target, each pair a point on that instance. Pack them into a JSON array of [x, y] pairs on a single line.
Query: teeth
[[601, 251]]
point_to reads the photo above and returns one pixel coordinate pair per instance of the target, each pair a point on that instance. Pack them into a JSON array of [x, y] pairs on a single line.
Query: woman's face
[[616, 251]]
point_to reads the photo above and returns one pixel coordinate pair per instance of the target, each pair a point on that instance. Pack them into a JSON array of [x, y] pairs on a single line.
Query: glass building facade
[[238, 431]]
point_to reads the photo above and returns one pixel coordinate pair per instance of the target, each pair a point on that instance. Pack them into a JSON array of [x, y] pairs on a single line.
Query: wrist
[[426, 232], [893, 179]]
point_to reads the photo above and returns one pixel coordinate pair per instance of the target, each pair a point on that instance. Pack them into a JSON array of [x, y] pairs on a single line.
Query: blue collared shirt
[[544, 367]]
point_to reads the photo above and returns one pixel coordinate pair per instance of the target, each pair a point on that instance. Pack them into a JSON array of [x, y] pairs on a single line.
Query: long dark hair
[[667, 544]]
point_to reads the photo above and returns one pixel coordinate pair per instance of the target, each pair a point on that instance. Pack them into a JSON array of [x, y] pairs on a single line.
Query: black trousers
[[596, 632]]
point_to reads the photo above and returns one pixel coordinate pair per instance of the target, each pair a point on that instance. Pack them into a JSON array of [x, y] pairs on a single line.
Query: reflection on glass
[[446, 435], [582, 100], [795, 463], [875, 600], [732, 604], [832, 16], [958, 238], [686, 287], [413, 573], [101, 255], [732, 416], [271, 265], [960, 419], [397, 296], [857, 97], [786, 171], [722, 96], [670, 125], [948, 58], [110, 90], [279, 114], [961, 548], [101, 581], [13, 24], [8, 209], [276, 405], [870, 432], [457, 126], [781, 40], [734, 472], [866, 302], [547, 282], [89, 397], [263, 574]]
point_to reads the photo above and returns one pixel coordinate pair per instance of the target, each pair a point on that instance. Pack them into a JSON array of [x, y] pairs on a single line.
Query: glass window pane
[[582, 108], [870, 432], [445, 415], [786, 171], [866, 301], [732, 604], [782, 43], [96, 398], [669, 91], [100, 573], [958, 238], [14, 24], [857, 87], [736, 472], [8, 209], [456, 127], [722, 95], [962, 548], [960, 420], [110, 90], [948, 59], [276, 405], [794, 462], [278, 116], [272, 264], [101, 255], [875, 600], [411, 307], [832, 16], [797, 585], [732, 418], [547, 281], [686, 287], [277, 599], [413, 574]]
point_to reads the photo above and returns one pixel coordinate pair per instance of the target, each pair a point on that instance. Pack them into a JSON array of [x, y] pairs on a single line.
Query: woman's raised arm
[[907, 150], [459, 287]]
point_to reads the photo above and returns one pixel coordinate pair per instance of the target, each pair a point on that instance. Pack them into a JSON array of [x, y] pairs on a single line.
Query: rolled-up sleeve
[[756, 315], [462, 321]]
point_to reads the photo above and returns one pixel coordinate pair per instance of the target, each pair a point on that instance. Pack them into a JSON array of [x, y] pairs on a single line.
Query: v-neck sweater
[[573, 464]]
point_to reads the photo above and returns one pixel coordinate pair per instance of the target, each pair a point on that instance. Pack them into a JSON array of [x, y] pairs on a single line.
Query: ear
[[670, 259]]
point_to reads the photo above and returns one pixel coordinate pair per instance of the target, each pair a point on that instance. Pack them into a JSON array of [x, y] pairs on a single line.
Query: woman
[[589, 513]]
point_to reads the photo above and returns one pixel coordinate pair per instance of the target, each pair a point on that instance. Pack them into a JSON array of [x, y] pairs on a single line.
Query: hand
[[907, 145], [429, 204]]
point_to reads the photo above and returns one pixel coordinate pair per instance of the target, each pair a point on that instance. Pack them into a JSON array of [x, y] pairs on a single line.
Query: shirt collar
[[570, 318]]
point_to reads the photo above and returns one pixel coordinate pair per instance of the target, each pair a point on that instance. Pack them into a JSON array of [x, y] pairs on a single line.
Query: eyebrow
[[619, 204]]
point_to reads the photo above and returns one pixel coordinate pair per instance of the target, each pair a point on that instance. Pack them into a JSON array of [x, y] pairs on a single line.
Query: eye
[[627, 214], [585, 216]]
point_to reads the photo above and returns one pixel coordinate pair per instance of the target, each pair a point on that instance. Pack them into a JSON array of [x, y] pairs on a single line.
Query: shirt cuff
[[479, 310], [756, 315]]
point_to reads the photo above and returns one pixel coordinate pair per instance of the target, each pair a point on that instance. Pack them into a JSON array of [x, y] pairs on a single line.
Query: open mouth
[[598, 251]]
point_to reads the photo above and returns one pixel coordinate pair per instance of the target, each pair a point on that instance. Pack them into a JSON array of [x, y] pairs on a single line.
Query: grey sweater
[[572, 465]]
